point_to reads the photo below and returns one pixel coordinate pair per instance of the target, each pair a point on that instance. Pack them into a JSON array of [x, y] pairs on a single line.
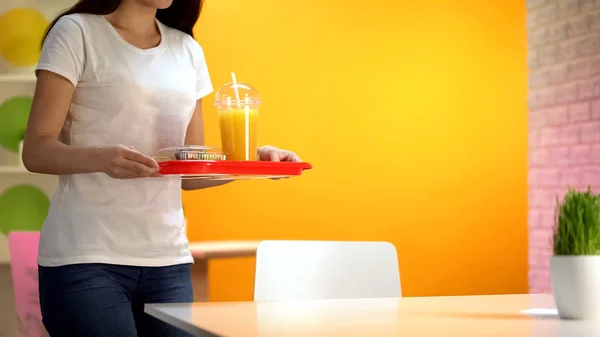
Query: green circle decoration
[[23, 208], [14, 114]]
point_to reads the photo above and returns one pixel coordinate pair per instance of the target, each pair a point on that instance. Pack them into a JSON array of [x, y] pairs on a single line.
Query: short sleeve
[[203, 85], [62, 52]]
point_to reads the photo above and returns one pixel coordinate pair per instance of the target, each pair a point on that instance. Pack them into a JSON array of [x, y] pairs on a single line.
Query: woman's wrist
[[93, 158]]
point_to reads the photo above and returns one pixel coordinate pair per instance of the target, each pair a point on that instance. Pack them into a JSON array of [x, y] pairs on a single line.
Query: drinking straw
[[235, 87], [247, 112]]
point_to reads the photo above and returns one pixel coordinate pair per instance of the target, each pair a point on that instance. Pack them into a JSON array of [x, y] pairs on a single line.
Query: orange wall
[[414, 116]]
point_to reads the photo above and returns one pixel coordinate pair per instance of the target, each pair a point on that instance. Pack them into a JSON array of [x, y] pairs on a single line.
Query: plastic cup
[[237, 105]]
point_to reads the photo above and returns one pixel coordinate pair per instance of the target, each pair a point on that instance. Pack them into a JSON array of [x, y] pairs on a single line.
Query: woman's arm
[[43, 152], [195, 136]]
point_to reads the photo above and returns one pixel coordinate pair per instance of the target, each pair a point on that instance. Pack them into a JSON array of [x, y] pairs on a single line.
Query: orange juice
[[239, 132], [238, 104]]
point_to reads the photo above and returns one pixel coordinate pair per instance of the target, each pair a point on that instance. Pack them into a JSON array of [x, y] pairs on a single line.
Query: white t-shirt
[[143, 98]]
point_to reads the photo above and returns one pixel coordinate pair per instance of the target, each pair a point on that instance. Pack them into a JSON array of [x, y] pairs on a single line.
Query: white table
[[464, 316]]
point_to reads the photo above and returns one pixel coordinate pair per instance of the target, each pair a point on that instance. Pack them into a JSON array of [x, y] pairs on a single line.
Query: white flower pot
[[576, 286]]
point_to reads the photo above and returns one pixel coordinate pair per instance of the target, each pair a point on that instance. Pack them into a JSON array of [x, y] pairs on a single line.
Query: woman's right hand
[[122, 162]]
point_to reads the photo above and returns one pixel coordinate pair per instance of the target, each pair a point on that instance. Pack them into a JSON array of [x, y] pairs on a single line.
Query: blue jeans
[[108, 300]]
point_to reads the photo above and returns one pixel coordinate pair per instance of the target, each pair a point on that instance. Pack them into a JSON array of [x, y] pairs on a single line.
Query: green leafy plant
[[577, 224]]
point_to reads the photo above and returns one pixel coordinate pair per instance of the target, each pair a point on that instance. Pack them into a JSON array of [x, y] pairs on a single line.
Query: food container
[[192, 152]]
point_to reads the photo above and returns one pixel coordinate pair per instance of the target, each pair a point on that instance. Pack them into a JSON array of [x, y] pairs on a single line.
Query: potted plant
[[575, 266]]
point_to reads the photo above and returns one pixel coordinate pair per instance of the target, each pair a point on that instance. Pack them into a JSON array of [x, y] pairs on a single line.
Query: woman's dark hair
[[181, 15]]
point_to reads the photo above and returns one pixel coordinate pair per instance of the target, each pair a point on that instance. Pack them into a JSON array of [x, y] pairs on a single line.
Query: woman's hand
[[122, 162], [271, 153]]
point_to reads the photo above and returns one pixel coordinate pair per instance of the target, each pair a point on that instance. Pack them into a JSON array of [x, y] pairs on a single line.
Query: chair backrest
[[311, 270], [23, 249]]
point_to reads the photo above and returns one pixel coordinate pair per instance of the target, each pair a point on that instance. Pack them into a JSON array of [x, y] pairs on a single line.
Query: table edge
[[249, 249], [177, 323]]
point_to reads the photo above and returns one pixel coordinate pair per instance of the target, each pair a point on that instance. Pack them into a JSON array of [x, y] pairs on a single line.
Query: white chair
[[312, 270]]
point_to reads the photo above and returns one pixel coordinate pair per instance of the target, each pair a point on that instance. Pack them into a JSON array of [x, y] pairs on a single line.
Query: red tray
[[229, 169]]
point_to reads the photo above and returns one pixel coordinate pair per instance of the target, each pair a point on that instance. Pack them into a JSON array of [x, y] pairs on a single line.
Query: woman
[[117, 80]]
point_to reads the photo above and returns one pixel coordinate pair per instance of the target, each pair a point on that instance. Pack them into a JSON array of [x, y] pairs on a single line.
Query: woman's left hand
[[271, 153]]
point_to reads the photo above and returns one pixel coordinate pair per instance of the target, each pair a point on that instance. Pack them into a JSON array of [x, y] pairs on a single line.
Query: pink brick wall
[[564, 115]]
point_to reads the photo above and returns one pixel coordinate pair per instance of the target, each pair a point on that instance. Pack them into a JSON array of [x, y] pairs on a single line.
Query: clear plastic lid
[[237, 95], [190, 152]]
